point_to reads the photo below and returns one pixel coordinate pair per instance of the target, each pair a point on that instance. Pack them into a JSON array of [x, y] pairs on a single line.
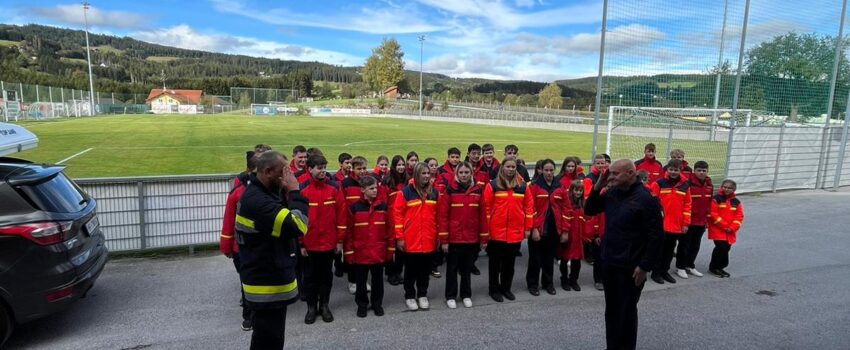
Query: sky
[[539, 40]]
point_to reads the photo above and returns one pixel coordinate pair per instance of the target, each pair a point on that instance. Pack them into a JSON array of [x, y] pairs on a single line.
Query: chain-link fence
[[33, 102], [244, 97]]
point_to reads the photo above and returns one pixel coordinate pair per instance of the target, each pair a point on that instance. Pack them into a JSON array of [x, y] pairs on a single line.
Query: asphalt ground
[[790, 289]]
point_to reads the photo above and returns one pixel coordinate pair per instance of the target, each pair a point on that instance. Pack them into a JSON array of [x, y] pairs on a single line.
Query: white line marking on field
[[71, 157]]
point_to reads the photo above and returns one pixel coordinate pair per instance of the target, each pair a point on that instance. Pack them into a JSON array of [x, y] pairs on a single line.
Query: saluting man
[[267, 227]]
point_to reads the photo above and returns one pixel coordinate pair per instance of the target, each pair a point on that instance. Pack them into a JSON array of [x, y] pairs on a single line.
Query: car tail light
[[42, 233], [60, 294]]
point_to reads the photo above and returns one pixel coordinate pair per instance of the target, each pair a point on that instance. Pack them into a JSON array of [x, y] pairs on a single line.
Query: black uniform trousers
[[570, 273], [417, 271], [246, 310], [667, 251], [688, 249], [269, 329], [541, 258], [395, 267], [318, 277], [459, 260], [596, 253], [621, 314], [501, 265], [720, 255], [361, 275]]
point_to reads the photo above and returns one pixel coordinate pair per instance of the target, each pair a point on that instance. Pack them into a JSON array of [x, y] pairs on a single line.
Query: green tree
[[794, 71], [511, 99], [550, 96], [326, 91], [385, 67]]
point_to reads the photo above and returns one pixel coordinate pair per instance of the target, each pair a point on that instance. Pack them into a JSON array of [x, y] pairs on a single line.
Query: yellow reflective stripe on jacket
[[244, 221], [281, 217], [266, 290]]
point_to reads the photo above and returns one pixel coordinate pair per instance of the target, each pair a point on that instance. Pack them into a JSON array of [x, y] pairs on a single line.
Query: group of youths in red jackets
[[396, 218]]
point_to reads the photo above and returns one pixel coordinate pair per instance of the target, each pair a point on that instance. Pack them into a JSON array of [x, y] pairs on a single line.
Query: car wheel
[[6, 324]]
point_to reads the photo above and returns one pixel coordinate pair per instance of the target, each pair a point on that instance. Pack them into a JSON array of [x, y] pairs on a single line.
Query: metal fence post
[[21, 97], [841, 150], [143, 242], [610, 130], [37, 97], [838, 51], [821, 171], [50, 92], [599, 77], [669, 140], [778, 152]]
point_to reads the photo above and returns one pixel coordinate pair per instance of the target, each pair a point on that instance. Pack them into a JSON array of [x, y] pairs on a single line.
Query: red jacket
[[726, 212], [566, 179], [306, 176], [415, 220], [445, 176], [488, 170], [510, 212], [686, 170], [369, 238], [376, 172], [578, 226], [326, 219], [227, 245], [598, 227], [294, 169], [652, 166], [547, 201], [351, 189], [462, 212], [339, 176], [675, 198], [701, 193]]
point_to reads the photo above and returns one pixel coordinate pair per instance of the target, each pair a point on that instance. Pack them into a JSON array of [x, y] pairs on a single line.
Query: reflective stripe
[[313, 204], [330, 202], [352, 197], [226, 236], [501, 194], [520, 195], [718, 220], [558, 197], [721, 205], [529, 216], [457, 204], [733, 208], [265, 294], [413, 203], [430, 202], [348, 252], [582, 218], [542, 195], [361, 224], [443, 233], [688, 214], [473, 204], [567, 217], [399, 226], [342, 227], [391, 249], [244, 221], [380, 223], [681, 193], [279, 219], [666, 191], [736, 222]]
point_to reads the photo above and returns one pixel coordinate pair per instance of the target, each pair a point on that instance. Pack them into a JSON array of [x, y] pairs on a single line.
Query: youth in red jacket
[[579, 228], [652, 166], [351, 185], [510, 211], [673, 191], [227, 244], [462, 213], [571, 170], [415, 219], [326, 217], [727, 214], [702, 190], [369, 239]]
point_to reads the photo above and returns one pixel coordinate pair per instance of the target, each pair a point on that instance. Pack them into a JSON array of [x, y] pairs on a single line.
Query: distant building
[[391, 93], [163, 101]]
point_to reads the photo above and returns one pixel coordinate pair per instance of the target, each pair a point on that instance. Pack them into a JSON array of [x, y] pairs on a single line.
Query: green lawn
[[73, 60], [9, 43], [168, 145]]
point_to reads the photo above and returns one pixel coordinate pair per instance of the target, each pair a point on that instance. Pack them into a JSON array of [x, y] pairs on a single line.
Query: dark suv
[[51, 246]]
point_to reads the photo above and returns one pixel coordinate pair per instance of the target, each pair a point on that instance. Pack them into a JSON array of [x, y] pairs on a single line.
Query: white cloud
[[73, 14], [387, 20], [500, 15], [184, 36]]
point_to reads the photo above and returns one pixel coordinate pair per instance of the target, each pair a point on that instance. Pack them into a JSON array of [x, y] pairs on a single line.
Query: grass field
[[170, 145], [9, 43]]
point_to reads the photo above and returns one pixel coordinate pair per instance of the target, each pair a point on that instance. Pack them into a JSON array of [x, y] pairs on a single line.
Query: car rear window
[[58, 195]]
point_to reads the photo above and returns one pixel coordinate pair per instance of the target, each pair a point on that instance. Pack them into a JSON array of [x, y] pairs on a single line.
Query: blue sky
[[539, 40]]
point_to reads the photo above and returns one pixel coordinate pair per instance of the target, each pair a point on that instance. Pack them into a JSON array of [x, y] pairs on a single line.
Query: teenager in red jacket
[[412, 159], [392, 185], [571, 170], [382, 168], [416, 229], [446, 173], [325, 232], [462, 212], [592, 249], [369, 244], [227, 241], [649, 163], [727, 215], [489, 163], [546, 231], [473, 156], [298, 164], [673, 191], [510, 215], [701, 192], [575, 228], [351, 191], [344, 167]]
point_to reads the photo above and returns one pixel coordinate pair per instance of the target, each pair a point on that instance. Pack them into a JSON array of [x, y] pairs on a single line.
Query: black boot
[[327, 316], [310, 318], [574, 285]]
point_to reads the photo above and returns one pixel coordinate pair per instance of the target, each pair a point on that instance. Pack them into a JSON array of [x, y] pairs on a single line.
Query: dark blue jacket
[[633, 226]]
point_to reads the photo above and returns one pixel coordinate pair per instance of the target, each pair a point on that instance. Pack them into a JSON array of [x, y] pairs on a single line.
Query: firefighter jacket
[[675, 198], [547, 206], [510, 212], [652, 166], [370, 238], [227, 242], [726, 213], [351, 189], [267, 229], [686, 170], [462, 212], [445, 176], [701, 193], [489, 170], [415, 220], [327, 217], [566, 179], [578, 227]]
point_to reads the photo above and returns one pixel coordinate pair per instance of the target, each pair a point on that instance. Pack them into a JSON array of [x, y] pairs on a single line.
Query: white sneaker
[[694, 272], [423, 303], [451, 304], [352, 288], [681, 273], [411, 304], [368, 287], [467, 302]]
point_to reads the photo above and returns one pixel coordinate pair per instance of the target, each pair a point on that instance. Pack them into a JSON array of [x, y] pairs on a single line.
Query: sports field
[[138, 145]]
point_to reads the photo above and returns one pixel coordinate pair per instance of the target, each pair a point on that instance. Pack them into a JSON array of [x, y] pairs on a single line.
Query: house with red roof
[[164, 101]]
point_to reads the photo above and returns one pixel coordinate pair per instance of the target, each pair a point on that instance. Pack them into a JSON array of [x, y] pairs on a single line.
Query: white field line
[[72, 157]]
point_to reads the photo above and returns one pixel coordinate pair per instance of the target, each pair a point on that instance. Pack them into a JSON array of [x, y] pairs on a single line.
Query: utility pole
[[88, 58], [421, 50]]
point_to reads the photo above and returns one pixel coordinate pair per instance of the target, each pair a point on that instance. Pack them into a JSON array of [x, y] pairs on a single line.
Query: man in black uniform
[[267, 227], [631, 246]]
